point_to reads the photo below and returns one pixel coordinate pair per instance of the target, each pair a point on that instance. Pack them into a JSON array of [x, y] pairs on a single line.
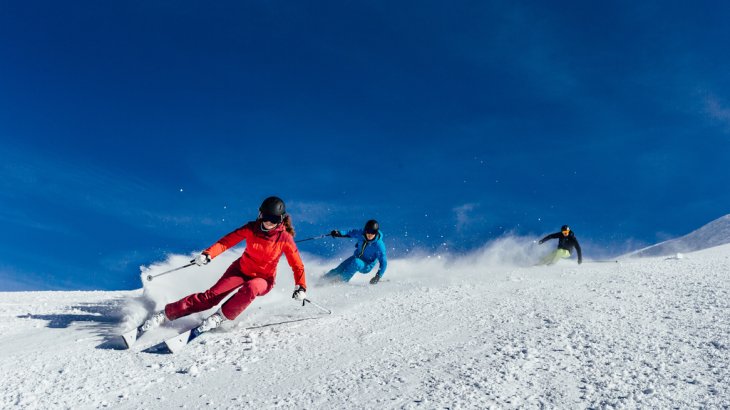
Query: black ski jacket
[[566, 242]]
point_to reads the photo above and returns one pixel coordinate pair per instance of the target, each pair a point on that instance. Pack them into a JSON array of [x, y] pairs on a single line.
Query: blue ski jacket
[[369, 251]]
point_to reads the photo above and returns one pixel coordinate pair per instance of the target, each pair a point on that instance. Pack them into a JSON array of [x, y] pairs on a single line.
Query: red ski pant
[[250, 287]]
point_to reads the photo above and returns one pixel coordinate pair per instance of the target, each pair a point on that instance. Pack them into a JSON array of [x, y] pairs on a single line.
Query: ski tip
[[176, 343], [129, 338]]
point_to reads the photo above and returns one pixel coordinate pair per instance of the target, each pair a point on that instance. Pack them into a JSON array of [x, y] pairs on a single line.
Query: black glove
[[375, 279], [336, 234], [299, 293], [540, 242]]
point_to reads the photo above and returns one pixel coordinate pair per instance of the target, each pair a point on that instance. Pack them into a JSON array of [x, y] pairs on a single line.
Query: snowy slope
[[714, 233], [470, 333]]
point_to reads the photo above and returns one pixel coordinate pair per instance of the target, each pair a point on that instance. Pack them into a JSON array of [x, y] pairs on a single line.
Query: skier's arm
[[577, 249], [383, 260], [551, 236], [354, 233], [336, 233], [292, 257], [228, 241]]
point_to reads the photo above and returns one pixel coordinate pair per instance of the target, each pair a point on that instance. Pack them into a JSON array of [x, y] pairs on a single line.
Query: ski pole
[[312, 238], [329, 312], [150, 277]]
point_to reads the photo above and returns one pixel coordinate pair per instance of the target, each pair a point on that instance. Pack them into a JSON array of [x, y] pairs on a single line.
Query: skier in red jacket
[[253, 274]]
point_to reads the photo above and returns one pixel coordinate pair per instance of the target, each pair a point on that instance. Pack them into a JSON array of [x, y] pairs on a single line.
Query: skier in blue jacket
[[368, 250]]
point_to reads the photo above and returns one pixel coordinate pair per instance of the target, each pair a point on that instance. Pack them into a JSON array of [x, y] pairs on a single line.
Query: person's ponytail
[[288, 225]]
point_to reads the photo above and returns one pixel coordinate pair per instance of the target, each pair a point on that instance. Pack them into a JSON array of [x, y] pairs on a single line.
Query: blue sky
[[137, 129]]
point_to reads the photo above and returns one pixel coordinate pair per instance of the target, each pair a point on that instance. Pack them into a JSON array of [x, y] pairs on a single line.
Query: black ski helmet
[[272, 206], [372, 226], [565, 228]]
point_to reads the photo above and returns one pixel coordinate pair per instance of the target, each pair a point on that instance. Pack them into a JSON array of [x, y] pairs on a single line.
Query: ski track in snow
[[640, 333]]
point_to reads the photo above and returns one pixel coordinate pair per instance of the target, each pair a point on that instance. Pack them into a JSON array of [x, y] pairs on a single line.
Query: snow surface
[[715, 233], [474, 332]]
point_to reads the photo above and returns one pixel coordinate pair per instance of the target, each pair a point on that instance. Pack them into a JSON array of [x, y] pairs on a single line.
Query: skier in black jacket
[[566, 242]]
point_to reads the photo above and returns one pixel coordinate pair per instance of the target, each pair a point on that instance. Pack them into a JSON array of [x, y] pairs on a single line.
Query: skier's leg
[[563, 253], [547, 259], [366, 268], [336, 273], [251, 288], [558, 255], [554, 257], [350, 267], [198, 302], [346, 270]]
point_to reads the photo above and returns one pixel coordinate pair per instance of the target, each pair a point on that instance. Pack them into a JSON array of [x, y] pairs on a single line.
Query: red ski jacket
[[263, 250]]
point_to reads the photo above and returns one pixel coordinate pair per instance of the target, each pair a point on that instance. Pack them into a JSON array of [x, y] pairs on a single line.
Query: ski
[[175, 344], [130, 337]]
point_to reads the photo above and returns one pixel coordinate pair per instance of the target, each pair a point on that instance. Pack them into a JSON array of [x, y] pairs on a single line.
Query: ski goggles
[[274, 219]]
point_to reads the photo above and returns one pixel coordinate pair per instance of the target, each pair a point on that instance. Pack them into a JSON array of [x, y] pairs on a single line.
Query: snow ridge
[[713, 234]]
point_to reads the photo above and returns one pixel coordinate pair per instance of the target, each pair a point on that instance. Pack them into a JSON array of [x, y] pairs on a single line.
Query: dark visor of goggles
[[274, 219]]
